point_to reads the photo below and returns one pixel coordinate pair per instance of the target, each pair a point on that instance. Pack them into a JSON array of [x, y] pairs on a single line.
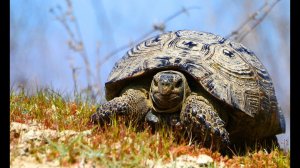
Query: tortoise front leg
[[199, 117], [132, 104]]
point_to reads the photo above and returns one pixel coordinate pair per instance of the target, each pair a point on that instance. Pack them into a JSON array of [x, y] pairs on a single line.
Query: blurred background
[[71, 46]]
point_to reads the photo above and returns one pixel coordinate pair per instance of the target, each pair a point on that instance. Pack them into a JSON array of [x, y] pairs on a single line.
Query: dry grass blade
[[61, 135]]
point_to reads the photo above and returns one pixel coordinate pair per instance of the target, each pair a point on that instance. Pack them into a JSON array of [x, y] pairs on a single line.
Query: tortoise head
[[168, 91]]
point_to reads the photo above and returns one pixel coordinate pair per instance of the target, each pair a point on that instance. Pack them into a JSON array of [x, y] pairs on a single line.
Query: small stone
[[204, 160]]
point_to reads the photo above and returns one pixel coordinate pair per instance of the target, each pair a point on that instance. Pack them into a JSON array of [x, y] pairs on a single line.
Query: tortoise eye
[[178, 83]]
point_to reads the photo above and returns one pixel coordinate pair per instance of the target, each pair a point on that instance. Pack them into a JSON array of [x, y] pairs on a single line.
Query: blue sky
[[40, 54]]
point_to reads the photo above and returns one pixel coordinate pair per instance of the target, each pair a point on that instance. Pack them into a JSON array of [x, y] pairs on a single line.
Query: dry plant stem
[[74, 77], [250, 24], [51, 114], [98, 70], [156, 27], [76, 45], [266, 10]]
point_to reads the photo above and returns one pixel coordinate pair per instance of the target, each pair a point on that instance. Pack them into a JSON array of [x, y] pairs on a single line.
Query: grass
[[51, 109], [116, 145]]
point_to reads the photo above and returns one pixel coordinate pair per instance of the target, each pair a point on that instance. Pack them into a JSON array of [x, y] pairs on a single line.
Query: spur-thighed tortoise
[[198, 81]]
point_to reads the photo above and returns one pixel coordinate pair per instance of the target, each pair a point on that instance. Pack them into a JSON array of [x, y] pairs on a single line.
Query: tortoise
[[196, 81]]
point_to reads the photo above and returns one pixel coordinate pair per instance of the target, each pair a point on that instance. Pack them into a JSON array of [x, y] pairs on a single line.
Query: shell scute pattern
[[227, 70]]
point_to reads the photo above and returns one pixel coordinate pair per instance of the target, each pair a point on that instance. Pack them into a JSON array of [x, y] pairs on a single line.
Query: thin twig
[[74, 76], [259, 20], [83, 52], [250, 18], [75, 44], [98, 70], [156, 27], [252, 21]]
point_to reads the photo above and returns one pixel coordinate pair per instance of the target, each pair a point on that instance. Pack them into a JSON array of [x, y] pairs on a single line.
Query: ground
[[47, 130]]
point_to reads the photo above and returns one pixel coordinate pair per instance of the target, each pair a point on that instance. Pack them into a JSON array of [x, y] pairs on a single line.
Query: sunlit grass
[[51, 109], [116, 145]]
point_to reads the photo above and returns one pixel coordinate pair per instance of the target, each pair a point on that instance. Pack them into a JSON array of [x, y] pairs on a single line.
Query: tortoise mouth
[[164, 102]]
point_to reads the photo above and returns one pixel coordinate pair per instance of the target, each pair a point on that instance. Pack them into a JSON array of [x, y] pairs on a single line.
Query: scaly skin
[[236, 85], [132, 104], [199, 116], [192, 111], [226, 70]]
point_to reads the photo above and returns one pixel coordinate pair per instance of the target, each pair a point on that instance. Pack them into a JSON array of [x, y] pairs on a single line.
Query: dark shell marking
[[227, 70]]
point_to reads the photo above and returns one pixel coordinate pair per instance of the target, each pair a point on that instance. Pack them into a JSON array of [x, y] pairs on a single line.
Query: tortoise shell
[[227, 70]]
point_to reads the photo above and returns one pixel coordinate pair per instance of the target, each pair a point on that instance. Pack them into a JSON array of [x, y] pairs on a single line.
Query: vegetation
[[116, 145]]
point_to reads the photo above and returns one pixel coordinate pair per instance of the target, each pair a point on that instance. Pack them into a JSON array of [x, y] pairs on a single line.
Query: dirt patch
[[25, 139]]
